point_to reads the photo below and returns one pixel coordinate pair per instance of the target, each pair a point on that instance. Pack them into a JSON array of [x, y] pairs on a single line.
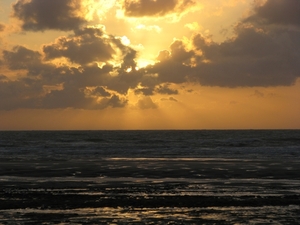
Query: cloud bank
[[91, 69], [277, 12]]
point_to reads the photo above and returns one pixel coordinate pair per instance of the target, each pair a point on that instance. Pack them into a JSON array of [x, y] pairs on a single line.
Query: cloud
[[100, 91], [252, 58], [89, 47], [2, 77], [277, 12], [172, 67], [31, 92], [151, 89], [2, 27], [85, 46], [258, 94], [18, 94], [255, 56], [114, 102], [151, 28], [164, 89], [169, 99], [144, 90], [22, 58], [43, 84], [39, 15], [146, 103], [193, 26], [75, 98], [98, 69], [141, 8]]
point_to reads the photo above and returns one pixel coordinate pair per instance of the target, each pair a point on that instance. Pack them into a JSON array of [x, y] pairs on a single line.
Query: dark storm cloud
[[87, 45], [75, 98], [19, 94], [68, 91], [263, 52], [142, 8], [253, 58], [90, 45], [170, 71], [172, 66], [38, 15], [277, 12], [258, 55], [22, 58], [75, 94], [46, 85]]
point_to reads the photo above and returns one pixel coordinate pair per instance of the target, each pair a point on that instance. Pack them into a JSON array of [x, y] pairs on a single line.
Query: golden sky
[[149, 64]]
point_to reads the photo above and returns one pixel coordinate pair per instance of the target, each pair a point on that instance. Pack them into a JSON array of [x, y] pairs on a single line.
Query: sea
[[150, 177]]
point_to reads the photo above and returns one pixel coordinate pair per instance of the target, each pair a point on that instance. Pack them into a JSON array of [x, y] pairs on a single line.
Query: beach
[[118, 186], [149, 191]]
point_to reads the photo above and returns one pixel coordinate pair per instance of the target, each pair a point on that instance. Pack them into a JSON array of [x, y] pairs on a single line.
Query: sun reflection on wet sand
[[151, 191], [161, 215], [150, 177]]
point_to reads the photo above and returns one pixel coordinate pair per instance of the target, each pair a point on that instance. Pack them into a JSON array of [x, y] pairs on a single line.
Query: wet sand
[[149, 191]]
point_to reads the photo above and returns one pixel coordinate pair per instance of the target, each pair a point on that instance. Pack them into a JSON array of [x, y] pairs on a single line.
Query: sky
[[149, 64]]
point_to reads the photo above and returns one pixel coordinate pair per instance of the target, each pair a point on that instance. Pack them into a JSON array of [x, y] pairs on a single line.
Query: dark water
[[150, 177]]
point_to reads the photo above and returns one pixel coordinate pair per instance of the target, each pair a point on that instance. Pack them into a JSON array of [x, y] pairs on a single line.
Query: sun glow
[[125, 40], [142, 63], [98, 8]]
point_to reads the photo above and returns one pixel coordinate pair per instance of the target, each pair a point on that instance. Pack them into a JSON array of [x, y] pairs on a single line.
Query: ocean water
[[150, 177]]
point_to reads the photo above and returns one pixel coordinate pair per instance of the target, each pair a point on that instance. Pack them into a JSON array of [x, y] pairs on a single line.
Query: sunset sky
[[149, 64]]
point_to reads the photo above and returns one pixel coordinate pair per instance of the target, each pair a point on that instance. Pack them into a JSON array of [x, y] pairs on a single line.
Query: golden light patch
[[128, 70], [125, 40], [148, 28], [97, 9], [142, 63], [193, 26]]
